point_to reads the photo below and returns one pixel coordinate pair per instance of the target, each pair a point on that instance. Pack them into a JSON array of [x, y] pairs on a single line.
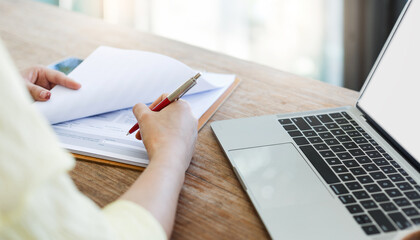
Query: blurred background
[[335, 41]]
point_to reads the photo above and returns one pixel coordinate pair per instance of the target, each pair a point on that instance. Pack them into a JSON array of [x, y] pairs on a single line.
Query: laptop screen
[[391, 98]]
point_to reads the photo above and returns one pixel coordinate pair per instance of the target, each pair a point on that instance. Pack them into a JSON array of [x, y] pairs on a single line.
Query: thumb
[[140, 110], [38, 93]]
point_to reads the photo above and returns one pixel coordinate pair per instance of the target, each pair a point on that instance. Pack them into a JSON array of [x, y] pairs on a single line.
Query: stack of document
[[93, 121]]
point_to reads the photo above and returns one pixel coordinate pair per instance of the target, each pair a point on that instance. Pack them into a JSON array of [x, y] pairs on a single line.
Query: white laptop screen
[[392, 96]]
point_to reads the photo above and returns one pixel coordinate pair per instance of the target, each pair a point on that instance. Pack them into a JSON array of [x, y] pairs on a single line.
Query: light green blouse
[[38, 199]]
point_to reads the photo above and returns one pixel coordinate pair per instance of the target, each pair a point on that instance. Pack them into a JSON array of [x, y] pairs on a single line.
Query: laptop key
[[372, 188], [403, 172], [349, 145], [331, 125], [387, 156], [338, 148], [354, 134], [309, 133], [373, 154], [320, 165], [416, 221], [333, 161], [340, 169], [417, 204], [402, 202], [361, 194], [313, 121], [362, 219], [404, 186], [354, 208], [347, 127], [346, 177], [354, 186], [370, 230], [393, 192], [367, 147], [388, 207], [336, 115], [324, 118], [356, 152], [343, 139], [388, 169], [327, 154], [365, 179], [396, 177], [325, 135], [300, 141], [368, 204], [395, 164], [344, 155], [321, 147], [357, 171], [351, 163], [370, 167], [363, 160], [413, 195], [360, 140], [301, 124], [377, 175], [400, 220], [380, 197], [289, 127], [320, 129], [295, 133], [339, 189], [411, 180], [285, 121], [337, 132], [380, 162], [383, 222], [385, 184], [331, 142], [346, 115], [315, 140], [341, 121], [346, 199], [410, 211]]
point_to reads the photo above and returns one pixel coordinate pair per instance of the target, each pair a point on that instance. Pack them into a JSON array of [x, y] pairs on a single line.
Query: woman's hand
[[39, 80], [169, 135]]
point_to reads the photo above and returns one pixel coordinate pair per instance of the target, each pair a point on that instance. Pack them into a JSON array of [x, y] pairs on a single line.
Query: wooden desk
[[212, 204]]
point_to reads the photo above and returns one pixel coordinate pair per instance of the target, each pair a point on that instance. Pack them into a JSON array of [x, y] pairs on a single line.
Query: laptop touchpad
[[278, 176]]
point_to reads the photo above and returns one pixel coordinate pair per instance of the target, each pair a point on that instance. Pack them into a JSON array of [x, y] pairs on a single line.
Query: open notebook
[[93, 121]]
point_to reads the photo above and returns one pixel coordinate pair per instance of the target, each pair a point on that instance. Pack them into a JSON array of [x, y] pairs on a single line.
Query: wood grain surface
[[212, 204]]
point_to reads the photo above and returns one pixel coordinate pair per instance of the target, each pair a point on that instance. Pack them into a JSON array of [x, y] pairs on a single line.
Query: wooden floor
[[212, 204]]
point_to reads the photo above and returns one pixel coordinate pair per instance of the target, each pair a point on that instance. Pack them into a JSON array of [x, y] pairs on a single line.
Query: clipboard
[[201, 122]]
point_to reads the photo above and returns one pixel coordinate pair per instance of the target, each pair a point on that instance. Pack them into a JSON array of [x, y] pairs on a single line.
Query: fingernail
[[45, 95]]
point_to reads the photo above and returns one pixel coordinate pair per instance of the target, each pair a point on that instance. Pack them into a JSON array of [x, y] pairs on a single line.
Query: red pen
[[177, 94]]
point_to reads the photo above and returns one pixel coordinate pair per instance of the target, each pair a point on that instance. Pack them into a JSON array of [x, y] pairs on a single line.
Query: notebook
[[92, 122]]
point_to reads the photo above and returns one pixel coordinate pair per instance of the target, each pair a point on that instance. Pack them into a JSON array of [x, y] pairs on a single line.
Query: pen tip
[[127, 134]]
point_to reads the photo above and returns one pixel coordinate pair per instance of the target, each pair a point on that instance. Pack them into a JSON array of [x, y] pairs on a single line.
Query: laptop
[[343, 173]]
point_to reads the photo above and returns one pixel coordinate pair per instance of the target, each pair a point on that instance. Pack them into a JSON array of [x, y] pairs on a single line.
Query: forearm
[[157, 190]]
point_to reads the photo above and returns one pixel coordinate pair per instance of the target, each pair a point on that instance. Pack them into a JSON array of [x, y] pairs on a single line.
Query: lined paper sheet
[[114, 79]]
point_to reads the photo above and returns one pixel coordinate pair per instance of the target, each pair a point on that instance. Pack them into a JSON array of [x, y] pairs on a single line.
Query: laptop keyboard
[[375, 189]]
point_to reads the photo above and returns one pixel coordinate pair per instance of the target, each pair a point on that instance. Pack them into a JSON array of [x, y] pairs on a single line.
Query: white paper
[[104, 136], [114, 79]]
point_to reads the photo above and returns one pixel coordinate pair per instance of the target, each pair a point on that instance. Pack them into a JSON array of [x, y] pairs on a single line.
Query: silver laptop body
[[304, 185]]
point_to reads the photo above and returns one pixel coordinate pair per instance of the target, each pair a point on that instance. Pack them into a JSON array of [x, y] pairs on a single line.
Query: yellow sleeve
[[131, 220], [38, 199]]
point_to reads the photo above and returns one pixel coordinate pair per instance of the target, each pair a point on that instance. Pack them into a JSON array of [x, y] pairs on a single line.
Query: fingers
[[157, 101], [38, 93], [59, 78], [138, 135], [413, 236], [140, 110]]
